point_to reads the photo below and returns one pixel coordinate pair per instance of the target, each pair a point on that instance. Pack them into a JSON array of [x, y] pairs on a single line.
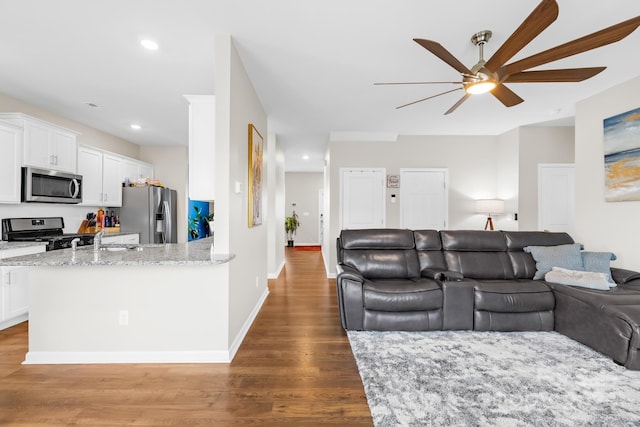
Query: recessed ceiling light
[[135, 126], [149, 44], [305, 157]]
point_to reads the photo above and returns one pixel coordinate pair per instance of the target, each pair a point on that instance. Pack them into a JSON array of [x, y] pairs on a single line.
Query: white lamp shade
[[490, 206]]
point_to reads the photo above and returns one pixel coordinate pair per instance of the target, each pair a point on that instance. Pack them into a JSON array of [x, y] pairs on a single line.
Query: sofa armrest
[[441, 274], [458, 304], [433, 273], [625, 277], [349, 283], [346, 272]]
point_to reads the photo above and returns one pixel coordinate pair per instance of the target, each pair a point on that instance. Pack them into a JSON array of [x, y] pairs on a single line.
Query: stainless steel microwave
[[49, 186]]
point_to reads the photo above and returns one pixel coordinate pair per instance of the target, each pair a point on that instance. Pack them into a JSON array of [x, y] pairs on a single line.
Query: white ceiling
[[313, 64]]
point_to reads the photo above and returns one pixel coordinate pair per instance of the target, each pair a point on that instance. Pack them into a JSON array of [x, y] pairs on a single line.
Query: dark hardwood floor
[[294, 367]]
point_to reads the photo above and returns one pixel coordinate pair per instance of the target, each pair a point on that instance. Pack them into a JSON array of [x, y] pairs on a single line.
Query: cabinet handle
[[56, 159]]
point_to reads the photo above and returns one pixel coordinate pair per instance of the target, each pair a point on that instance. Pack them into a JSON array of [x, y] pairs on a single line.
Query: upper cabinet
[[103, 174], [10, 162], [202, 116], [45, 145], [135, 169]]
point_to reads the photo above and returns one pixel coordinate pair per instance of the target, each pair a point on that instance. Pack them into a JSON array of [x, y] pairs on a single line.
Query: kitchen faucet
[[97, 240]]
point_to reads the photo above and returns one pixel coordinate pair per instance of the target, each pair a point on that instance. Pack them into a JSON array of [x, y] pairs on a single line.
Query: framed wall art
[[256, 144], [622, 157]]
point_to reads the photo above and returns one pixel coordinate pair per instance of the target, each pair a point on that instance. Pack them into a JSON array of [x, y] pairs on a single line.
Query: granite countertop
[[4, 245], [198, 252]]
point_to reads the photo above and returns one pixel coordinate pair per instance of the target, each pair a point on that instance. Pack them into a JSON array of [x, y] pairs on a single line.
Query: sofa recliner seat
[[505, 298], [381, 286]]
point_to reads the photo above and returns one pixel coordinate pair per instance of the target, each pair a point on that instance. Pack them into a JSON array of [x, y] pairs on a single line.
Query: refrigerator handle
[[167, 220]]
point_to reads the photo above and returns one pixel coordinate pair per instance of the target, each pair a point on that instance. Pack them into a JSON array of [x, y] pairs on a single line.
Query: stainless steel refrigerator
[[150, 211]]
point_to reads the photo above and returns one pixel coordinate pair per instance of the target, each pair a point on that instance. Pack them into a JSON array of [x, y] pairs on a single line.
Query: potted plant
[[291, 224]]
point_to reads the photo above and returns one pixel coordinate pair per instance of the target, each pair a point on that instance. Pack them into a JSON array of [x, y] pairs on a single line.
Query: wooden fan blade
[[428, 97], [592, 41], [550, 76], [457, 104], [541, 17], [442, 53], [506, 96], [416, 83]]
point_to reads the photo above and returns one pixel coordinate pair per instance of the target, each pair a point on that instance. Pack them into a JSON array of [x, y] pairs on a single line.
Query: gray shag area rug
[[462, 378]]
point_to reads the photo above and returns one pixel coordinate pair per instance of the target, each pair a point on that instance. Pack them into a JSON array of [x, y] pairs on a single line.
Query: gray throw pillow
[[599, 262], [547, 257]]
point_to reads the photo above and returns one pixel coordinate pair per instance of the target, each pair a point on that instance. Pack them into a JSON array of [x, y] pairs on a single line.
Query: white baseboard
[[245, 328], [277, 273], [100, 357], [12, 322]]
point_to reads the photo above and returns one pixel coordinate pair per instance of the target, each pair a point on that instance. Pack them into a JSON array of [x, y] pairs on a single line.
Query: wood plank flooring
[[295, 367]]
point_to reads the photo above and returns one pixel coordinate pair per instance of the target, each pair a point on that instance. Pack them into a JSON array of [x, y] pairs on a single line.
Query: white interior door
[[423, 199], [362, 198], [556, 197]]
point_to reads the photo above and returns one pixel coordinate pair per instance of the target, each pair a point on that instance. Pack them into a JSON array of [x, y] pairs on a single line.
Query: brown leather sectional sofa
[[425, 280]]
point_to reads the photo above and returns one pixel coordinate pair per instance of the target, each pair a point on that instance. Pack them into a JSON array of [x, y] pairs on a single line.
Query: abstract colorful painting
[[622, 157]]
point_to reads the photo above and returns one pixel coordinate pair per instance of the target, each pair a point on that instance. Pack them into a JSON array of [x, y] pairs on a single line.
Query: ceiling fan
[[490, 75]]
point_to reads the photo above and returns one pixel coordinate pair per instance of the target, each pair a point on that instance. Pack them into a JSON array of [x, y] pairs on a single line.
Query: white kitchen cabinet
[[10, 162], [14, 287], [45, 144], [15, 300], [101, 177], [135, 169], [111, 180], [202, 116]]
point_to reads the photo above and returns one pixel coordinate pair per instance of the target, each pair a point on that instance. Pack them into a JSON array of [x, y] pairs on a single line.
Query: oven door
[[47, 186]]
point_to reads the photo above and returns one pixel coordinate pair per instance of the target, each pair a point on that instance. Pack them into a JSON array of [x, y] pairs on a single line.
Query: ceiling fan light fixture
[[480, 87]]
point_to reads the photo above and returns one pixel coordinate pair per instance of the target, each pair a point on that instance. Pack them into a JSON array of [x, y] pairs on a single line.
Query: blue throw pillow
[[547, 257], [599, 262]]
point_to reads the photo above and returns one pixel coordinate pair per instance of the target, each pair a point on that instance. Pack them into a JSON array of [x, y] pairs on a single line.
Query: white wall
[[472, 174], [600, 225], [507, 185], [237, 105], [539, 144], [275, 207], [302, 188], [170, 165]]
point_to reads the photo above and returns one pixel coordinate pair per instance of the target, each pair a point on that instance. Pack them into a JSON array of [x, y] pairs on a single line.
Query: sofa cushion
[[402, 295], [473, 240], [383, 238], [583, 279], [427, 240], [383, 263], [429, 249], [480, 265], [599, 262], [513, 296], [564, 256], [517, 240]]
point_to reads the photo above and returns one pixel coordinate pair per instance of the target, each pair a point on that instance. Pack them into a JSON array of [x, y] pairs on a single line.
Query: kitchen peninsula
[[128, 304]]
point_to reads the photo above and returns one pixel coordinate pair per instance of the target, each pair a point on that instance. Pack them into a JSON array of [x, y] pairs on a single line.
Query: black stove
[[43, 229]]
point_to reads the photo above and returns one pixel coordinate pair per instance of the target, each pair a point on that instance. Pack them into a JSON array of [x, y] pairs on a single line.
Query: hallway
[[294, 367]]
